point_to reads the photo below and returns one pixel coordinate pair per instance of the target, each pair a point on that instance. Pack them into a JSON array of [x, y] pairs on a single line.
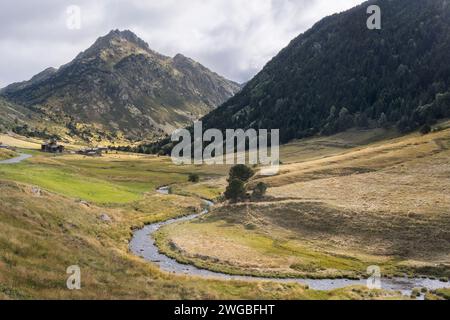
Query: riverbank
[[143, 244]]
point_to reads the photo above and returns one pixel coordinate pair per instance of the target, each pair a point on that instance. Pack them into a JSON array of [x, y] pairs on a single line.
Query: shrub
[[426, 129], [416, 293], [193, 177], [260, 190], [250, 226]]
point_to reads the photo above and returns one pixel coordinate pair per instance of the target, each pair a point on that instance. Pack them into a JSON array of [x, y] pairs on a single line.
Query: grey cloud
[[232, 37]]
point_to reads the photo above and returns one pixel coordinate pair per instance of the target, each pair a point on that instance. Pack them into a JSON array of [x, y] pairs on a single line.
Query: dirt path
[[18, 159]]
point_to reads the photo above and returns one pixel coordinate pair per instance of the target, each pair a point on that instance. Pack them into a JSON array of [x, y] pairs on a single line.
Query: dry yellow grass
[[320, 147], [407, 176], [374, 157], [7, 154], [20, 142], [386, 203]]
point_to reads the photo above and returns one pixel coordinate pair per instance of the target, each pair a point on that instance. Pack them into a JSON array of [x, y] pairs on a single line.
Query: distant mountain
[[340, 74], [47, 73], [119, 88]]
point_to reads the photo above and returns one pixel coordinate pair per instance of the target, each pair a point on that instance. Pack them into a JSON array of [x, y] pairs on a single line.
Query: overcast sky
[[232, 37]]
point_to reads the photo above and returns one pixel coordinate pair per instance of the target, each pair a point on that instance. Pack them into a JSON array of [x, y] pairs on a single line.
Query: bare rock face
[[85, 203], [105, 218], [119, 86], [35, 191]]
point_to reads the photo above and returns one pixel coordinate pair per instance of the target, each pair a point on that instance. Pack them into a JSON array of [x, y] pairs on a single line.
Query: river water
[[144, 246]]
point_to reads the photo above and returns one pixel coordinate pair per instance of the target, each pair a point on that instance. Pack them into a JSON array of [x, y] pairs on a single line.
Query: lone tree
[[241, 172], [235, 190], [239, 175]]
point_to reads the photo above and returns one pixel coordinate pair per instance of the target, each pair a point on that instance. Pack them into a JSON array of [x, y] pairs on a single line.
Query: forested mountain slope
[[340, 74]]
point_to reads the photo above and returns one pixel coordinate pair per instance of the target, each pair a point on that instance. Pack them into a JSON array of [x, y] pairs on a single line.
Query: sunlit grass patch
[[206, 190], [234, 249], [104, 180], [70, 184], [7, 154]]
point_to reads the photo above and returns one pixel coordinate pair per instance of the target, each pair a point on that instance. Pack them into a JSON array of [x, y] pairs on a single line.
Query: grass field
[[20, 142], [321, 147], [342, 207], [113, 179], [7, 154], [52, 217]]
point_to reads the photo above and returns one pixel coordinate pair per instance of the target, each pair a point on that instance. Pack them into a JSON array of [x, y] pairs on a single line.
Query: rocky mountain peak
[[125, 35], [117, 45], [119, 87], [181, 58]]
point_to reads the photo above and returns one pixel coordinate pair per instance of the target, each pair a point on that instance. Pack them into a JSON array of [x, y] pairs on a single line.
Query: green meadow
[[111, 180]]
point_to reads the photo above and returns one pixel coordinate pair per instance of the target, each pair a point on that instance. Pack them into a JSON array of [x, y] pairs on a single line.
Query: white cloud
[[232, 37]]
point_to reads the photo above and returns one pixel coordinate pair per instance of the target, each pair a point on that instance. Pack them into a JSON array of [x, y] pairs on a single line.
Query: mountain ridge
[[121, 87]]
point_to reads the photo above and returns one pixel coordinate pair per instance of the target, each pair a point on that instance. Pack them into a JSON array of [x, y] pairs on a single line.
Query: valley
[[59, 211], [106, 165], [298, 230], [334, 215]]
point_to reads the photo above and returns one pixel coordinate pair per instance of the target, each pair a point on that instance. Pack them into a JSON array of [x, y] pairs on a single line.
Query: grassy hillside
[[337, 210], [20, 142]]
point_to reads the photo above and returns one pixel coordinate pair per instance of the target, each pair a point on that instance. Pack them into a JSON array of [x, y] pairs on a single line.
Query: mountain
[[119, 87], [339, 74], [36, 79], [12, 115]]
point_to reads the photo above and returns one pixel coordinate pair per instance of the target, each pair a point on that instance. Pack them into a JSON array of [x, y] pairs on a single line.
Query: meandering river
[[144, 246]]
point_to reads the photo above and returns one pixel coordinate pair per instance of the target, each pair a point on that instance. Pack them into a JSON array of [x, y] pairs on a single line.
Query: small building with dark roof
[[93, 152], [52, 147]]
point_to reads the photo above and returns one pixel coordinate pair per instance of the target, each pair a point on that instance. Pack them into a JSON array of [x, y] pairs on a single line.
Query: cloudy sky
[[232, 37]]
